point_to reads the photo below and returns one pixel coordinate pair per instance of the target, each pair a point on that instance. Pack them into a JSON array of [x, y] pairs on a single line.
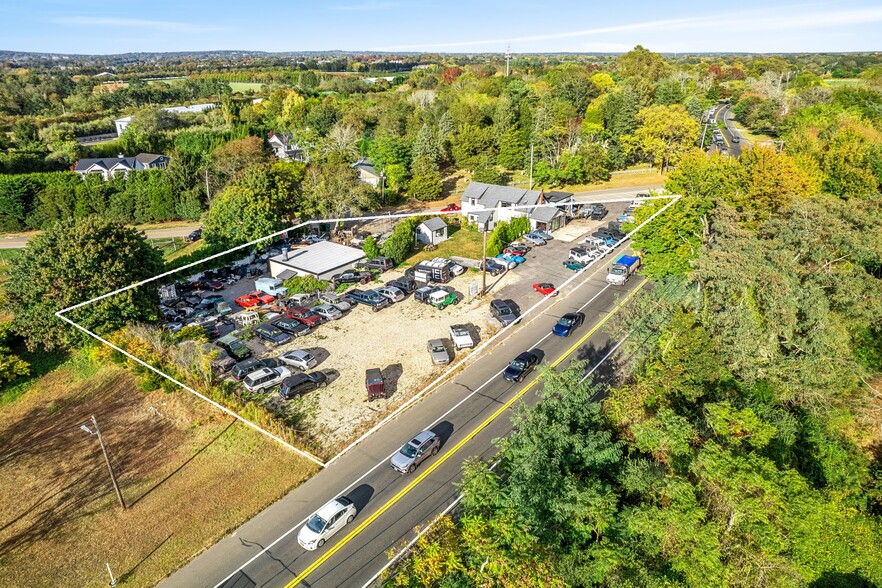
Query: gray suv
[[415, 451], [503, 312]]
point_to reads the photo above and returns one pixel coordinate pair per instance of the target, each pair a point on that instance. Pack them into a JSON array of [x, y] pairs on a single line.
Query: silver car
[[391, 292], [334, 300], [438, 352], [415, 451], [298, 358], [327, 312]]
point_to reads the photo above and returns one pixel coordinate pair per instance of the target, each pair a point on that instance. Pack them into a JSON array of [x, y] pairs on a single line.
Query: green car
[[573, 265], [442, 299]]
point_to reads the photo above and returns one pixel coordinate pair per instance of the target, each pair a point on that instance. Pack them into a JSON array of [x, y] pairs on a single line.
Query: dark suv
[[300, 384], [405, 283], [503, 312]]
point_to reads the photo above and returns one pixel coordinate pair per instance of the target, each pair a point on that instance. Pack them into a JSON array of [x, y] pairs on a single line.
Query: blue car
[[568, 323], [511, 258]]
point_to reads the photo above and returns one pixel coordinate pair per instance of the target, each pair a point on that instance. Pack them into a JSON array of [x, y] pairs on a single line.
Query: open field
[[844, 82], [245, 86], [60, 518]]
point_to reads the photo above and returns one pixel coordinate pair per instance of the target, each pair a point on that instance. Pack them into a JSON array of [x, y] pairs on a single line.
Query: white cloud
[[776, 19], [164, 26]]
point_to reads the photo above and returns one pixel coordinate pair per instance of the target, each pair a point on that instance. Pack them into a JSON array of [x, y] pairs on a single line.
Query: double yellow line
[[437, 463]]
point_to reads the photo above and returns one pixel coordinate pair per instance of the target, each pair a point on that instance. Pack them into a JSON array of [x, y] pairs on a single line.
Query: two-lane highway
[[468, 412], [731, 135]]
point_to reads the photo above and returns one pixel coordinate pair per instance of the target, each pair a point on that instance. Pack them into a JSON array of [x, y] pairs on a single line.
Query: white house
[[487, 204], [122, 123], [109, 167], [432, 231], [321, 260], [284, 149], [366, 171]]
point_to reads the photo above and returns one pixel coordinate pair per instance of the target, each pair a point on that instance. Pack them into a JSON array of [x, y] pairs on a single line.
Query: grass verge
[[188, 473]]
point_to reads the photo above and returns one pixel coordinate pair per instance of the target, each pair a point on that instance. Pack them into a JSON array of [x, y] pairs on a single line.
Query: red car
[[450, 208], [254, 299], [304, 315], [545, 289]]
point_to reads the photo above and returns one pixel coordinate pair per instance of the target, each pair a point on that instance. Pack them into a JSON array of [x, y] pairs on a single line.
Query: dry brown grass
[[188, 473]]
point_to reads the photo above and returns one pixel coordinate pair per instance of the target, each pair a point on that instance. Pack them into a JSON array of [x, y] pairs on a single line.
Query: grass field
[[844, 82], [170, 254], [245, 86], [462, 241], [189, 475]]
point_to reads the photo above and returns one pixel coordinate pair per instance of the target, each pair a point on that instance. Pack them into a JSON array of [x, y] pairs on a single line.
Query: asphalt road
[[468, 412], [19, 241], [729, 131]]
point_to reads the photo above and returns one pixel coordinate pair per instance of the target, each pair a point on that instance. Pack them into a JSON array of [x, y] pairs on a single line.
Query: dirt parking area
[[393, 340]]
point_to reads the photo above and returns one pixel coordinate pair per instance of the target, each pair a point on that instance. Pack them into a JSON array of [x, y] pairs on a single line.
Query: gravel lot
[[394, 339]]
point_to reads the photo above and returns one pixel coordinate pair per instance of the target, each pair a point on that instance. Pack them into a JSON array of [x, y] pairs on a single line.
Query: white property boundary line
[[60, 314]]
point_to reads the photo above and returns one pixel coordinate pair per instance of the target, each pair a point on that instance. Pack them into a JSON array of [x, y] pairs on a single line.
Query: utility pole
[[530, 187], [507, 58], [207, 189], [383, 187], [484, 264], [119, 495]]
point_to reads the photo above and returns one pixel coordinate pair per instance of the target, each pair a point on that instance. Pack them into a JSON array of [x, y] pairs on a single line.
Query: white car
[[264, 378], [325, 523], [391, 292], [298, 358], [312, 239], [327, 312], [598, 244], [456, 269]]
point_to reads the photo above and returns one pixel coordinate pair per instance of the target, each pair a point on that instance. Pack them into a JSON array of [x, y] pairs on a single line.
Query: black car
[[300, 384], [243, 368], [405, 283], [272, 335], [522, 365], [603, 233], [194, 236], [494, 268], [291, 326], [596, 212], [503, 312], [213, 285]]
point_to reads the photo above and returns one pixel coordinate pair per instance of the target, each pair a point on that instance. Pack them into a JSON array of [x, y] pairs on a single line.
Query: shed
[[321, 260], [432, 231]]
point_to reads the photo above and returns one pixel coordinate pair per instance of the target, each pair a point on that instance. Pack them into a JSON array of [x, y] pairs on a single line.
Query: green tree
[[485, 171], [426, 146], [370, 248], [470, 143], [425, 186], [665, 134], [401, 242], [512, 149], [11, 365], [641, 63], [71, 262]]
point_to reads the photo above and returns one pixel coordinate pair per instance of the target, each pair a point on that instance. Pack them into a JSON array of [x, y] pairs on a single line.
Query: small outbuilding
[[321, 260], [432, 231]]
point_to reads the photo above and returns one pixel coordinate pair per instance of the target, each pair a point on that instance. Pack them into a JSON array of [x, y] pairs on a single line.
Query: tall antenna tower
[[507, 58]]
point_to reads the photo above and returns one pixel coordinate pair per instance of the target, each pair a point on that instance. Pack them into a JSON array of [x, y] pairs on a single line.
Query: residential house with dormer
[[110, 167], [488, 204]]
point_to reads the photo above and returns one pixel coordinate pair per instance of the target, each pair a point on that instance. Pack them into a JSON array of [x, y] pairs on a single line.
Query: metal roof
[[489, 195], [545, 213], [320, 257]]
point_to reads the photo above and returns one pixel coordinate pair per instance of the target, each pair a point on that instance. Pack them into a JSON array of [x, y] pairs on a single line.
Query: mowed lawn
[[189, 475], [462, 242], [245, 86]]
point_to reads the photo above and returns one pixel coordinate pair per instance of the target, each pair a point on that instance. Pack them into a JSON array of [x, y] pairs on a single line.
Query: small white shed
[[432, 231]]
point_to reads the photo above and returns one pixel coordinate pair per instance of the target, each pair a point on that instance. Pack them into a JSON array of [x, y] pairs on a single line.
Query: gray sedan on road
[[415, 451]]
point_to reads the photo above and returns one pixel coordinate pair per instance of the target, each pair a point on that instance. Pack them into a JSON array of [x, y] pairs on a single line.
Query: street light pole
[[484, 264], [383, 187], [119, 495]]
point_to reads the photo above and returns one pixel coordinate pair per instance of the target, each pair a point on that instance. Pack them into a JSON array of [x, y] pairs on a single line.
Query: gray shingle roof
[[489, 195], [365, 165], [545, 214], [144, 159], [434, 224]]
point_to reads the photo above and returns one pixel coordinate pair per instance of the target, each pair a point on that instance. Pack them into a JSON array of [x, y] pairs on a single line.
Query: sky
[[451, 26]]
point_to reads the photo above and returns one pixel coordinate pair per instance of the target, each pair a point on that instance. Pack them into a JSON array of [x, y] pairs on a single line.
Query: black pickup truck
[[351, 277], [368, 298]]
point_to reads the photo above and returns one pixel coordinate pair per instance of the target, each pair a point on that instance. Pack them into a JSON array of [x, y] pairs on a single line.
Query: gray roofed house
[[366, 171], [109, 167], [487, 204], [432, 231], [320, 260]]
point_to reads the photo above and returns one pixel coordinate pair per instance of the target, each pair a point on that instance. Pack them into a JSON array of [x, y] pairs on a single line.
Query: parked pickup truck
[[623, 268], [368, 298], [461, 336]]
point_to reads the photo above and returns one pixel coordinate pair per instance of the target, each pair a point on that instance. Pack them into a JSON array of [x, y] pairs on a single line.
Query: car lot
[[395, 338]]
